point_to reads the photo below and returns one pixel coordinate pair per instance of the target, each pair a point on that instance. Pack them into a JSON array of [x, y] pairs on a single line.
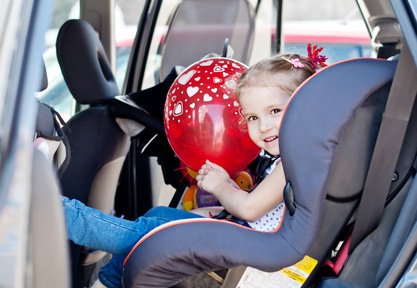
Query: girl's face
[[263, 108]]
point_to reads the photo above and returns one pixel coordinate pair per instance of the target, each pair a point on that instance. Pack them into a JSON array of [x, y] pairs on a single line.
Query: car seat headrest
[[45, 125], [317, 122], [48, 132], [84, 64], [44, 83]]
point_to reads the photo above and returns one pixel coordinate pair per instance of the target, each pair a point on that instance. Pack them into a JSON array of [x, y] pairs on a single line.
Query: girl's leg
[[94, 229], [111, 273], [169, 213]]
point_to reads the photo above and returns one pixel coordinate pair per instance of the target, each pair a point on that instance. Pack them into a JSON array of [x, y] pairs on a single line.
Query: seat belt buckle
[[341, 258]]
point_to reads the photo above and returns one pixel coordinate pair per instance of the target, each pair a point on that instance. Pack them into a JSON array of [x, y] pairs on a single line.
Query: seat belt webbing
[[387, 148]]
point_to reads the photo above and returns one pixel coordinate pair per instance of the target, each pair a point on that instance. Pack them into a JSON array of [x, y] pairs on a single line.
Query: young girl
[[263, 92]]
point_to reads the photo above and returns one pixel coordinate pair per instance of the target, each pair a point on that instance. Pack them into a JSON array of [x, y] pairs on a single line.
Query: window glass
[[57, 94], [11, 55], [337, 26], [154, 58], [198, 27], [127, 14], [264, 44]]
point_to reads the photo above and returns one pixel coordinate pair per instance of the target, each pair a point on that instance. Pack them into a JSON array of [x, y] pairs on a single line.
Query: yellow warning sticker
[[290, 277], [307, 264], [300, 270]]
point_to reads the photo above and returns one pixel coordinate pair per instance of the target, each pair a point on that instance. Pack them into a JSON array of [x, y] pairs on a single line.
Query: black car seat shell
[[84, 63], [98, 144], [321, 115]]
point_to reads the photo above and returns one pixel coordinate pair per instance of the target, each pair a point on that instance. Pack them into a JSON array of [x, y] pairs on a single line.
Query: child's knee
[[158, 211]]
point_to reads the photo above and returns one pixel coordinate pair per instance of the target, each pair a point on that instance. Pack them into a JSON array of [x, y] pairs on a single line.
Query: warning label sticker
[[290, 277]]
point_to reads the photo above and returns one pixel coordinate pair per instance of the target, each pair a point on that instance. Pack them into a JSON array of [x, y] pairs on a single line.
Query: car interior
[[348, 144]]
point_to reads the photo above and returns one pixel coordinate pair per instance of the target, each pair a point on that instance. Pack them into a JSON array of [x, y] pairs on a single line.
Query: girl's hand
[[211, 177]]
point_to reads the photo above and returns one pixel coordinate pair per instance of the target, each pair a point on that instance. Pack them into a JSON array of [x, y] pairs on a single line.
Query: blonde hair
[[277, 72]]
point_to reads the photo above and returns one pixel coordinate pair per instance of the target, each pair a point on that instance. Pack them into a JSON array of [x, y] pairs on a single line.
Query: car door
[[32, 234]]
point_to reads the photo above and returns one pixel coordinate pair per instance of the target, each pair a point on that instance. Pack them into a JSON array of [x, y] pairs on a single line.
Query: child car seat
[[331, 120], [99, 142], [99, 136]]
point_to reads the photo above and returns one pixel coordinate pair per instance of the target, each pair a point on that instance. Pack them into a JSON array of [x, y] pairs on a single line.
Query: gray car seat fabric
[[318, 120], [380, 249], [404, 226], [349, 166], [200, 27], [367, 255], [45, 126]]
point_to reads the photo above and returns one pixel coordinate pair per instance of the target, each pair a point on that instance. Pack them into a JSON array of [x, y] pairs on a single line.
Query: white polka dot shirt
[[271, 220]]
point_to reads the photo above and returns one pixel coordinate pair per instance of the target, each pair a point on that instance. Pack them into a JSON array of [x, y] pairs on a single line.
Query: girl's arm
[[246, 206]]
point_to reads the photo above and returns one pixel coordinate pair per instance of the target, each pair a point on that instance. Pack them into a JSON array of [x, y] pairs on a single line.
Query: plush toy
[[196, 198], [244, 180]]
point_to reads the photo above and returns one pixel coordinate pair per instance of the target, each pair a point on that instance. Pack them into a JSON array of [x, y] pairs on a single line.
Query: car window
[[261, 45], [127, 14], [57, 94], [337, 26]]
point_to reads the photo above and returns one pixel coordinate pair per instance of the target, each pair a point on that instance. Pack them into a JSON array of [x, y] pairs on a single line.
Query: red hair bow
[[314, 58]]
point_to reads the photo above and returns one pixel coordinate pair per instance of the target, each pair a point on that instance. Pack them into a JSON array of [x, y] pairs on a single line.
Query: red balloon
[[203, 119]]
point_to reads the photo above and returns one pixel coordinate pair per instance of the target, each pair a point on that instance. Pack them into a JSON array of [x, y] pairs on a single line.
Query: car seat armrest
[[127, 100], [178, 249], [123, 107]]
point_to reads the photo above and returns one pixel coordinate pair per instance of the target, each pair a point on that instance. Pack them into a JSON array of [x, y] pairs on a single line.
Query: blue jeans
[[92, 228]]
